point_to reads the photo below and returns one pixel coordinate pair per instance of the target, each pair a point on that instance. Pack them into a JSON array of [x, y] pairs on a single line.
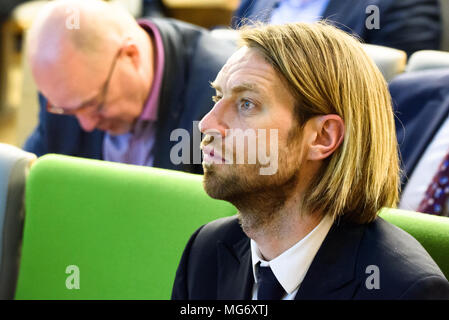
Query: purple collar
[[150, 108]]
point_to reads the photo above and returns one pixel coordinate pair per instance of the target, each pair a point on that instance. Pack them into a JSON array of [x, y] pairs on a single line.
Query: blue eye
[[246, 105]]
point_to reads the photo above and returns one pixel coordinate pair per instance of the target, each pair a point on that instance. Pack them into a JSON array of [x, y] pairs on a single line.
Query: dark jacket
[[409, 25], [421, 104], [216, 264], [192, 58]]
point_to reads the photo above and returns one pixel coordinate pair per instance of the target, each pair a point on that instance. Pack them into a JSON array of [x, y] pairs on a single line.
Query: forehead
[[73, 86], [249, 66]]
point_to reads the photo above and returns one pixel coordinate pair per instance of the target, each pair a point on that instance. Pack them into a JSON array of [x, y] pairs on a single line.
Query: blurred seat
[[444, 9], [431, 231], [124, 227], [14, 164], [428, 59], [390, 62]]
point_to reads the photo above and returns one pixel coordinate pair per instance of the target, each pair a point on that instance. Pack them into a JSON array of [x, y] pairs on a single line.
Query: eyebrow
[[245, 86]]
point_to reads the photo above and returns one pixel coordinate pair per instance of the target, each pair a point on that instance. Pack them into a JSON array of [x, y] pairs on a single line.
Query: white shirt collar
[[291, 266]]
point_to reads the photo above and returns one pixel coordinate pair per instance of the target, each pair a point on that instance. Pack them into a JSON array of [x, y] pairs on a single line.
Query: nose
[[213, 123], [87, 122]]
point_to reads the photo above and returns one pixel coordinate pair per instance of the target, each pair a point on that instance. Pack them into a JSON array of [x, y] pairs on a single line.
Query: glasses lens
[[53, 109]]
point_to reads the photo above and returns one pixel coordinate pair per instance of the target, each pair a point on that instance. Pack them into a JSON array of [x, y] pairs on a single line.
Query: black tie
[[269, 286]]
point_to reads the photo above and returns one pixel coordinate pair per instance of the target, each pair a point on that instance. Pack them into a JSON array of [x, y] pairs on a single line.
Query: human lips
[[211, 156]]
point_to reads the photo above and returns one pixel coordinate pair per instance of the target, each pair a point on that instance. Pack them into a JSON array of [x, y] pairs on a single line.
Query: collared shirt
[[426, 169], [291, 266], [298, 11], [136, 147]]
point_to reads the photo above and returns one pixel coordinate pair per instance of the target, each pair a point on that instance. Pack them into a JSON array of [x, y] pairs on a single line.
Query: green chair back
[[431, 231], [116, 230]]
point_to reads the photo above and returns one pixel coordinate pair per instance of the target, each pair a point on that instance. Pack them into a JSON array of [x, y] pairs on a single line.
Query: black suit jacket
[[421, 104], [216, 264], [192, 58], [409, 25]]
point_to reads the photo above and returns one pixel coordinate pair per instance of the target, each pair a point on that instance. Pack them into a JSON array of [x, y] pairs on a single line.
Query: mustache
[[212, 149], [206, 140]]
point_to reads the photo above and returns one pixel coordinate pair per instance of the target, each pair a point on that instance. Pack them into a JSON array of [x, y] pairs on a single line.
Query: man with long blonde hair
[[310, 229]]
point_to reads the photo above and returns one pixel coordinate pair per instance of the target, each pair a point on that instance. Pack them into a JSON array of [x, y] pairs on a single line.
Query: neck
[[276, 225], [148, 62]]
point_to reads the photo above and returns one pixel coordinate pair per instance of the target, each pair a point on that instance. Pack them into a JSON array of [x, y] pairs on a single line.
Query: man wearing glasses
[[113, 88]]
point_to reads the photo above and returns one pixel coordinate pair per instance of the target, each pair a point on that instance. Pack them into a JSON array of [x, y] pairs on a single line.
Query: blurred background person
[[115, 89], [421, 102], [409, 25]]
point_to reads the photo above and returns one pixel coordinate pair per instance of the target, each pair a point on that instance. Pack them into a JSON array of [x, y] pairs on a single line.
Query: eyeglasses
[[94, 105]]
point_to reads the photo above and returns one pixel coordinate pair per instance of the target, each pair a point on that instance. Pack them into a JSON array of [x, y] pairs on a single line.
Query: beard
[[259, 198]]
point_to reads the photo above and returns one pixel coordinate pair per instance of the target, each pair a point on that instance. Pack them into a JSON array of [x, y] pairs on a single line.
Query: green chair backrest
[[118, 229], [431, 231]]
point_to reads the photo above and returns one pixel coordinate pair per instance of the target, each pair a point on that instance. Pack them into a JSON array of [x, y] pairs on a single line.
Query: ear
[[326, 135], [131, 50]]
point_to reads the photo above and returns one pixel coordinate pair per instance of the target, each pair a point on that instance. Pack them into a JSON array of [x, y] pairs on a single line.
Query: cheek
[[122, 109], [117, 119], [274, 135], [253, 146], [125, 91], [270, 130]]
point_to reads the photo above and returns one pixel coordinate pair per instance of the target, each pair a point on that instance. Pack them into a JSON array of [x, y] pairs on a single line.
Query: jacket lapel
[[418, 116], [262, 10], [347, 15], [173, 83], [235, 279], [336, 9], [332, 272]]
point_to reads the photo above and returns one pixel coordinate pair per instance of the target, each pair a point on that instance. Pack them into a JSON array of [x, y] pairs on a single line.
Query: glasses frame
[[100, 97]]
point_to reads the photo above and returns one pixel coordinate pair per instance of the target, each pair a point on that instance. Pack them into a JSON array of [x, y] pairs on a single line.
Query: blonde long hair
[[329, 72]]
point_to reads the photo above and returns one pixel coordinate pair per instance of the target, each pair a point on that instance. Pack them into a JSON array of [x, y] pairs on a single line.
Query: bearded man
[[308, 230]]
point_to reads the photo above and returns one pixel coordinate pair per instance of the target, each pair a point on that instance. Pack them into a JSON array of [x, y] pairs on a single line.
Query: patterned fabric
[[437, 195]]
